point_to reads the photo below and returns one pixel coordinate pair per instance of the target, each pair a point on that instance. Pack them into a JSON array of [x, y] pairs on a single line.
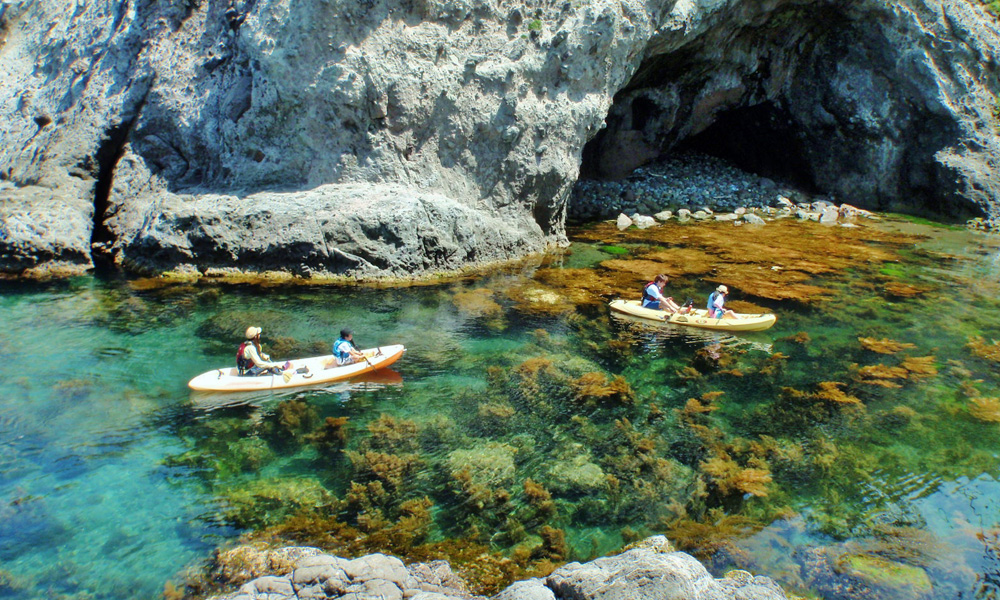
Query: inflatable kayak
[[696, 318], [303, 371]]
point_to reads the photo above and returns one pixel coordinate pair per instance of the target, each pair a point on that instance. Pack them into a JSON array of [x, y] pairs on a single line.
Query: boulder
[[623, 222]]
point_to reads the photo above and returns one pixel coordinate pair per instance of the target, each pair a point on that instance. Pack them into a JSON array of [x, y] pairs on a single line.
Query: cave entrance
[[760, 139]]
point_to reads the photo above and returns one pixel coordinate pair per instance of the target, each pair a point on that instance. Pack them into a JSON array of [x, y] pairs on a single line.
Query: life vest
[[646, 297], [711, 303], [243, 363], [342, 355]]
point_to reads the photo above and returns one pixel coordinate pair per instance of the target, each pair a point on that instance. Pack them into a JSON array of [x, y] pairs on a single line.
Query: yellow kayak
[[696, 318], [303, 371]]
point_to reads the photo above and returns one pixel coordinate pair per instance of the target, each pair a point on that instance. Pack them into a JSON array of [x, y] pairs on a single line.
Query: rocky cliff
[[397, 137]]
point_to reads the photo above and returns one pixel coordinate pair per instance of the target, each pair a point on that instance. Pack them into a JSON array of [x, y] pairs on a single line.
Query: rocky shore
[[647, 569]]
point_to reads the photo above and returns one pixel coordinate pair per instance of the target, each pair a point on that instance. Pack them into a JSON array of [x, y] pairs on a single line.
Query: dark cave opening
[[759, 139]]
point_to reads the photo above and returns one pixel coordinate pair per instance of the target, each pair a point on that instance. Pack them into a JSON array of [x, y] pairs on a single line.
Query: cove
[[851, 451]]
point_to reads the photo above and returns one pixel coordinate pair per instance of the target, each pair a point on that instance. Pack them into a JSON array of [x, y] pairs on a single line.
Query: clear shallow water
[[114, 478]]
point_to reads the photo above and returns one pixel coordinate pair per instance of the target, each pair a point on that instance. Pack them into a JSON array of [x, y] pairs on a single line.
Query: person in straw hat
[[251, 360], [716, 301]]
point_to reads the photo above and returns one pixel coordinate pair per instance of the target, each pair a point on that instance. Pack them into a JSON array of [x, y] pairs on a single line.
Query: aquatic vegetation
[[477, 303], [717, 532], [979, 347], [392, 435], [830, 390], [884, 345], [565, 433], [331, 436], [295, 417], [592, 388], [985, 409], [267, 502], [920, 367], [481, 477], [393, 470], [731, 478], [880, 375]]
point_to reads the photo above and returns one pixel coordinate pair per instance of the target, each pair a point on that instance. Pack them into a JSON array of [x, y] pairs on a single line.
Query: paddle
[[363, 355]]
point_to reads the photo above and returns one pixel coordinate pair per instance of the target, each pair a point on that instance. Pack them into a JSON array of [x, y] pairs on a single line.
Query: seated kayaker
[[716, 300], [344, 350], [652, 297], [251, 360]]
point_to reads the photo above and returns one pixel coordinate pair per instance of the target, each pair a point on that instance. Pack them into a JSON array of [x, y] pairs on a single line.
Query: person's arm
[[251, 350]]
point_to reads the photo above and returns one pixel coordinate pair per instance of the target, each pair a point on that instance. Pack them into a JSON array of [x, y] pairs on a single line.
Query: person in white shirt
[[652, 297], [716, 302], [251, 360]]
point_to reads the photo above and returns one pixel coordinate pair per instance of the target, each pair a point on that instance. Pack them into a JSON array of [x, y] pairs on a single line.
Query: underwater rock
[[577, 475], [623, 222], [842, 573]]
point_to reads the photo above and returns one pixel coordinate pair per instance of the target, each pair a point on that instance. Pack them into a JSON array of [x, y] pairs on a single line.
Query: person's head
[[346, 333], [253, 332], [722, 289], [661, 280]]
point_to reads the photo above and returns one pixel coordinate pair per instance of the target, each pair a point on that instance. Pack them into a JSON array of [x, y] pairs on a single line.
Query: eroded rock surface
[[650, 569], [398, 138]]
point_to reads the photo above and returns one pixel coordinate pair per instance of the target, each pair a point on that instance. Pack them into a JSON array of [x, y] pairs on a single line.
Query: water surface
[[524, 420]]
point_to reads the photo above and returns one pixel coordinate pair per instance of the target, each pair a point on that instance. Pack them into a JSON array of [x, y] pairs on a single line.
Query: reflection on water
[[850, 452]]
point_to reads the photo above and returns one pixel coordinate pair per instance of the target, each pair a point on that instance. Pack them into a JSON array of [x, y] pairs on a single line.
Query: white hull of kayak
[[696, 318], [322, 369]]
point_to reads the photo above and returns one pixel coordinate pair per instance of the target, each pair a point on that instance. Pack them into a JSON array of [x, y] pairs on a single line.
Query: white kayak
[[303, 371], [696, 318]]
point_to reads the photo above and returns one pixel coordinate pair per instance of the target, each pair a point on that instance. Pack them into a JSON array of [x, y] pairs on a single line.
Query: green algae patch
[[898, 578]]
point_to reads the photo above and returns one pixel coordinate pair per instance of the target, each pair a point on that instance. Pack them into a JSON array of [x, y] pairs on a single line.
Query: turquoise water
[[115, 479]]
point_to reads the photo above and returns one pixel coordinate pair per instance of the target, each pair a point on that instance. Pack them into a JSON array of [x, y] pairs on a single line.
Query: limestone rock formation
[[382, 137], [650, 569]]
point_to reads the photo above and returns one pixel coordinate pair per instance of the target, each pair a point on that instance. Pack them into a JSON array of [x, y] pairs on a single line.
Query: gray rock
[[148, 115], [726, 217], [753, 219], [665, 215], [643, 221], [643, 573], [268, 588], [377, 566], [830, 214], [529, 589], [373, 589]]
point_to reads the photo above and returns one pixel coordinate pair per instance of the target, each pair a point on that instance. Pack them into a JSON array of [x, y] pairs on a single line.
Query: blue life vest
[[340, 351], [711, 303]]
